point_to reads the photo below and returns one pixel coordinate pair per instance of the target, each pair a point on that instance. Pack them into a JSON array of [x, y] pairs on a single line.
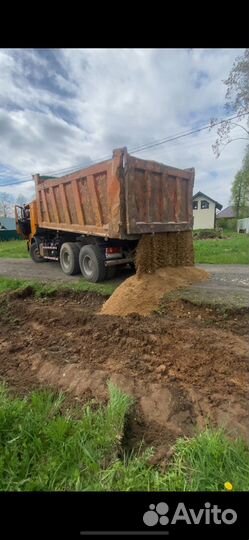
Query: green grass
[[14, 249], [46, 447], [51, 289], [232, 250]]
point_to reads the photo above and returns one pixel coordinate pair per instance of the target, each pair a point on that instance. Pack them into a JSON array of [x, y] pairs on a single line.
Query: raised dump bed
[[92, 219]]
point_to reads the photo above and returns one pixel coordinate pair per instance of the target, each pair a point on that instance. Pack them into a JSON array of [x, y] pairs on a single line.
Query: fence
[[6, 235]]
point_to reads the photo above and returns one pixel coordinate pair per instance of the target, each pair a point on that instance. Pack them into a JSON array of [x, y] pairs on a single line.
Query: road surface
[[227, 284]]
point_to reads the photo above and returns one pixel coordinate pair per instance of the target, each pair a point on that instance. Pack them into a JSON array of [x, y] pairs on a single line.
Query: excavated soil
[[142, 293], [185, 368]]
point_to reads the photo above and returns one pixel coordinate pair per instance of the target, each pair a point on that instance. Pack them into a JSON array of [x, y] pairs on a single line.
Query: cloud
[[62, 107]]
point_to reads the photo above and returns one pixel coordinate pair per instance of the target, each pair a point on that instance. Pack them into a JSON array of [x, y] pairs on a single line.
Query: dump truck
[[92, 220]]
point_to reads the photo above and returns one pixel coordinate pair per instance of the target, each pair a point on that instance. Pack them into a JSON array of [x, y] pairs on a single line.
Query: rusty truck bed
[[123, 197]]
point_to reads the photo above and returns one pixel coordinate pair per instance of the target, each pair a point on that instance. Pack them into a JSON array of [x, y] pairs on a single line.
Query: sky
[[62, 108]]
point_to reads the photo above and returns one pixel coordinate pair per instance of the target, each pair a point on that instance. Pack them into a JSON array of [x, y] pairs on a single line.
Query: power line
[[174, 138], [156, 143], [107, 156], [138, 148], [17, 183]]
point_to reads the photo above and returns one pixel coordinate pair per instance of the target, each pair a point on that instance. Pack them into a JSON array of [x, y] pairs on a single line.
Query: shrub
[[202, 234]]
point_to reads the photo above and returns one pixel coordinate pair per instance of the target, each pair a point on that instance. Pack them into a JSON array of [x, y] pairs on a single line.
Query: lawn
[[231, 250], [14, 249], [46, 446], [45, 289]]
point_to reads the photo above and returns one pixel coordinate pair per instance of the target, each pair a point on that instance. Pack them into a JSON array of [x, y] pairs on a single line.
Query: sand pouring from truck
[[122, 211]]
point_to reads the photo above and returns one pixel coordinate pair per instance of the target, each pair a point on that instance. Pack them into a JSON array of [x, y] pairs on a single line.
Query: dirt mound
[[185, 368], [164, 262], [142, 294], [164, 249]]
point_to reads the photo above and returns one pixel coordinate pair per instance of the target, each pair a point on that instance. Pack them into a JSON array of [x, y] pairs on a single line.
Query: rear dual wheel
[[87, 259], [92, 264], [69, 258]]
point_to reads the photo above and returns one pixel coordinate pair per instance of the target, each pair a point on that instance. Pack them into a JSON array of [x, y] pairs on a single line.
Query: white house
[[204, 211]]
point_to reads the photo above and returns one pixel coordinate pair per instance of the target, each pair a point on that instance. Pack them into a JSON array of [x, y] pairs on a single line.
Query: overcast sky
[[60, 108]]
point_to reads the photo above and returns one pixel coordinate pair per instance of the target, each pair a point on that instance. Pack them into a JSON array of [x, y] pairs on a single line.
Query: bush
[[202, 234], [230, 224]]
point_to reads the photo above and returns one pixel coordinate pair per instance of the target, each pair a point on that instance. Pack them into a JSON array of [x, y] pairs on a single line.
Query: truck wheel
[[92, 264], [35, 253], [69, 258]]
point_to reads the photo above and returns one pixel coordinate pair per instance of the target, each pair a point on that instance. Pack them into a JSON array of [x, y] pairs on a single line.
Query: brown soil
[[183, 370], [142, 294]]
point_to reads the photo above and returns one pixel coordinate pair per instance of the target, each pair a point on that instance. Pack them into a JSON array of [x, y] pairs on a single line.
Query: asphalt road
[[227, 284]]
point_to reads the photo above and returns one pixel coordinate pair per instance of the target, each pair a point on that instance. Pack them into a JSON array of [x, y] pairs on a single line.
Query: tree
[[240, 194], [240, 188], [237, 101], [246, 160], [21, 199], [6, 204]]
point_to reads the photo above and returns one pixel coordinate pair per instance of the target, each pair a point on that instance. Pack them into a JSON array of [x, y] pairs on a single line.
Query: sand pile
[[164, 249], [142, 293], [164, 262]]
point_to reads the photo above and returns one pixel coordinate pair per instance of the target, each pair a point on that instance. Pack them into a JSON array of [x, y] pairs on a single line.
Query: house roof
[[8, 222], [228, 212], [200, 194]]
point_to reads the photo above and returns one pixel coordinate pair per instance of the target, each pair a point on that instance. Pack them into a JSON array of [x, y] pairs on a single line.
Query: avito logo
[[210, 514]]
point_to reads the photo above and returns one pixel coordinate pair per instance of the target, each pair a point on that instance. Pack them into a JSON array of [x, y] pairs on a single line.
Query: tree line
[[237, 100], [8, 201]]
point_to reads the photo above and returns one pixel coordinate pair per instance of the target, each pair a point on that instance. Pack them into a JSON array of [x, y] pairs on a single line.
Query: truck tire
[[35, 253], [69, 258], [92, 263]]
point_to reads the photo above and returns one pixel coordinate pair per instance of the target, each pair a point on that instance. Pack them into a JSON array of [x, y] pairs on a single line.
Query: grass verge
[[43, 448], [232, 250], [45, 289], [14, 249]]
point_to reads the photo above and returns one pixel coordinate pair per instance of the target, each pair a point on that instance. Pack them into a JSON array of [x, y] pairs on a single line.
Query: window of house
[[195, 205], [204, 204]]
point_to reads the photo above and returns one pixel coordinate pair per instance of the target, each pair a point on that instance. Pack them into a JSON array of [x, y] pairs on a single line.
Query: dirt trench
[[186, 368]]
